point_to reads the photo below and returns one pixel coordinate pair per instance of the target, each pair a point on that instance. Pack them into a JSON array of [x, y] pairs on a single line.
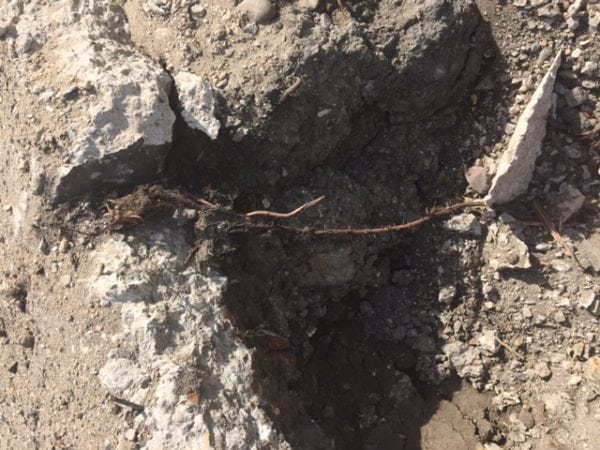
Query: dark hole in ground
[[345, 330]]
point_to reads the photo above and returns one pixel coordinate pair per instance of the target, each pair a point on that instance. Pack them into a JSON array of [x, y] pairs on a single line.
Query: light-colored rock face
[[198, 103], [183, 364], [107, 103], [515, 168]]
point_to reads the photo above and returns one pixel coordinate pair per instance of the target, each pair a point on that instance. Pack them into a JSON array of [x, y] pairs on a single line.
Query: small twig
[[121, 401], [438, 212], [289, 91], [289, 214], [553, 231], [509, 348], [191, 255]]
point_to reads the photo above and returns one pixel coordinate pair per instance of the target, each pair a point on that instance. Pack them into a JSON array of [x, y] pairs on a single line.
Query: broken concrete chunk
[[198, 102], [467, 224], [117, 130], [466, 360], [503, 249], [516, 165], [589, 301]]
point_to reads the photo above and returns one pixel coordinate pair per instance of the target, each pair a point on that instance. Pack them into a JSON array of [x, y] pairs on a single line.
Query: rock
[[467, 224], [588, 300], [558, 404], [259, 11], [505, 399], [505, 250], [466, 360], [591, 369], [447, 294], [590, 68], [516, 165], [575, 97], [588, 251], [527, 419], [520, 3], [197, 100], [197, 11], [542, 370], [120, 131], [310, 5], [488, 342], [159, 7], [560, 318], [478, 179]]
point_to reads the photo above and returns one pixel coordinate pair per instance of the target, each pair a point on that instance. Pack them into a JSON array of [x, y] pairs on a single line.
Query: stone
[[591, 369], [588, 251], [567, 201], [309, 5], [588, 300], [590, 68], [527, 419], [488, 342], [466, 360], [517, 163], [259, 11], [559, 317], [542, 370], [447, 294], [466, 224], [478, 179], [198, 103], [575, 97], [558, 404], [506, 250]]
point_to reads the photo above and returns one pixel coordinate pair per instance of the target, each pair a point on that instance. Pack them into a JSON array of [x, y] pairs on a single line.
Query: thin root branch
[[289, 214], [553, 231], [509, 348], [429, 216]]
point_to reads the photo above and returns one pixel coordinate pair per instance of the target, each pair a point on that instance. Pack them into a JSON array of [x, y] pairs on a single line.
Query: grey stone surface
[[198, 103], [110, 109], [516, 165]]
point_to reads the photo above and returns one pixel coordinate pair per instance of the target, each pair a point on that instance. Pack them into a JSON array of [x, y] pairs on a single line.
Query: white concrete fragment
[[196, 97], [517, 163], [178, 341], [466, 360]]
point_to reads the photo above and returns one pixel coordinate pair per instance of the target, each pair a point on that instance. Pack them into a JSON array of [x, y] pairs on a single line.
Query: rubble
[[516, 166], [198, 103]]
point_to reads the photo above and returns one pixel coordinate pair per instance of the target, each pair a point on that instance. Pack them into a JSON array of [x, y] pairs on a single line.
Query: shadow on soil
[[346, 331]]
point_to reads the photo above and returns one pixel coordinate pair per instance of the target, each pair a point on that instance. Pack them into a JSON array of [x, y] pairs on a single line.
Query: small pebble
[[259, 11]]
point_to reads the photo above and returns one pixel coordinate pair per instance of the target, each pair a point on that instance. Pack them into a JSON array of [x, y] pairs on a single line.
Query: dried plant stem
[[289, 214], [431, 215]]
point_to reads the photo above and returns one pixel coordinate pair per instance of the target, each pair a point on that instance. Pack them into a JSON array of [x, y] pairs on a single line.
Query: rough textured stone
[[517, 163], [259, 11], [111, 124], [197, 100]]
